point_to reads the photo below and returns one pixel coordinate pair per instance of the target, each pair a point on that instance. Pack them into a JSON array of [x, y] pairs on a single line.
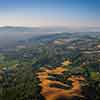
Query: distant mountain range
[[9, 34]]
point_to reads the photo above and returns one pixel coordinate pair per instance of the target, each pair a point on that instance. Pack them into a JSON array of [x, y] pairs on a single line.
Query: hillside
[[56, 66]]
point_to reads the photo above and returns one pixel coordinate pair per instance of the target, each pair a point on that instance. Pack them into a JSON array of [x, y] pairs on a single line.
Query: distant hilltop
[[51, 29]]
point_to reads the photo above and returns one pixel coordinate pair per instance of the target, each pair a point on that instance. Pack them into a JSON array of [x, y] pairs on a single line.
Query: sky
[[50, 13]]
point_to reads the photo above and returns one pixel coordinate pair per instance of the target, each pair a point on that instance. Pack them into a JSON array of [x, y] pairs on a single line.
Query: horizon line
[[49, 26]]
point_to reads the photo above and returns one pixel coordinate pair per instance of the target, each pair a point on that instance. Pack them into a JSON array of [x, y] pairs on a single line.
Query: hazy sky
[[68, 13]]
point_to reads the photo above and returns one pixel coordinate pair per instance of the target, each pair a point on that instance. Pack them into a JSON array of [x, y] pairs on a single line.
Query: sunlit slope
[[52, 93]]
